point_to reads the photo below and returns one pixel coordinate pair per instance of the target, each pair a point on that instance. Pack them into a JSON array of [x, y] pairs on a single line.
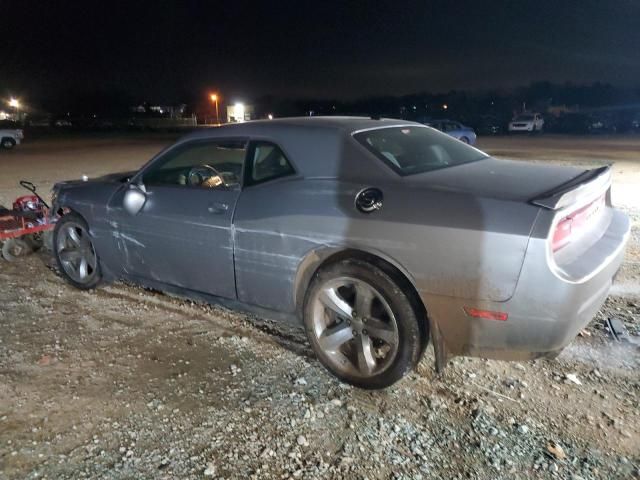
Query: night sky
[[169, 50]]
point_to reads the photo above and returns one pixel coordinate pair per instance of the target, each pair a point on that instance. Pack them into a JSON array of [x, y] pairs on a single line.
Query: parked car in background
[[375, 234], [527, 122], [454, 129], [489, 125], [10, 134]]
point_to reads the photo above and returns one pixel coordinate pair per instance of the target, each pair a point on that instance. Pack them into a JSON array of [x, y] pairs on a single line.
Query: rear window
[[411, 150]]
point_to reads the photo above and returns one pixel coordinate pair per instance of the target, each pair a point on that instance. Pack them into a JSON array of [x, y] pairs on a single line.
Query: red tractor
[[22, 228]]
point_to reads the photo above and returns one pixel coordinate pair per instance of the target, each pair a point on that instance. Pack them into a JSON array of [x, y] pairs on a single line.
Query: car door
[[182, 235], [266, 259]]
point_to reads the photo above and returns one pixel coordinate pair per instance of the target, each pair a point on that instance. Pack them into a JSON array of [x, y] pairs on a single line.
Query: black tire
[[464, 140], [68, 220], [8, 143], [411, 336]]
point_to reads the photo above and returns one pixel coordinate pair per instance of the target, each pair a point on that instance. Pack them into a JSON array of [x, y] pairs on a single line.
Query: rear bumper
[[547, 310]]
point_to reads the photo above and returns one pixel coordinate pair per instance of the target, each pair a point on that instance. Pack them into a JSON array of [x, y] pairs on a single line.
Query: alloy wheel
[[76, 253], [355, 327]]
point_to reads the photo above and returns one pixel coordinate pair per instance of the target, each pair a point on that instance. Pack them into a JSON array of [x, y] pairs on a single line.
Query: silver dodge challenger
[[377, 234]]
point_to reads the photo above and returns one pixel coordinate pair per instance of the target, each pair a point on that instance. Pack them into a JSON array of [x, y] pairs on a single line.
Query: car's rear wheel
[[8, 143], [464, 140], [75, 253], [361, 324]]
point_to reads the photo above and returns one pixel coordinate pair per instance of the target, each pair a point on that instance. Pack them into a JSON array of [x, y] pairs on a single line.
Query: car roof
[[345, 124], [318, 146]]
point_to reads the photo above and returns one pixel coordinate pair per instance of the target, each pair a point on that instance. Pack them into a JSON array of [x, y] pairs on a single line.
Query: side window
[[266, 162], [210, 164]]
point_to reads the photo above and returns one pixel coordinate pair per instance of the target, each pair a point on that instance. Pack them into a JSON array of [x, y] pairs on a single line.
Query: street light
[[214, 99]]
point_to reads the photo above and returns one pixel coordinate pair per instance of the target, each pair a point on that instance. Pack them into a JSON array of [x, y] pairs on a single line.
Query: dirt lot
[[127, 383]]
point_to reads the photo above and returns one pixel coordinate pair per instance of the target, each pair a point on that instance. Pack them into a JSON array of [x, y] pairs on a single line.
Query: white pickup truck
[[10, 135]]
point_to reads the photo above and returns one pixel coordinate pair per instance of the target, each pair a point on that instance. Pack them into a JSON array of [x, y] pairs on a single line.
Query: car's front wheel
[[8, 143], [362, 325], [75, 254]]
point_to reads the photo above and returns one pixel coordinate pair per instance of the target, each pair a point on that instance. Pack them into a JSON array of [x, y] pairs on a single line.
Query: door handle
[[218, 207]]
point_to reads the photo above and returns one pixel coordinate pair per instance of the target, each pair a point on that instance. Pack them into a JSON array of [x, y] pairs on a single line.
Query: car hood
[[493, 178], [119, 177]]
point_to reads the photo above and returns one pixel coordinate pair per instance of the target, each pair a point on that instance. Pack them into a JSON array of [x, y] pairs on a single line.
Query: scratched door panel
[[182, 237]]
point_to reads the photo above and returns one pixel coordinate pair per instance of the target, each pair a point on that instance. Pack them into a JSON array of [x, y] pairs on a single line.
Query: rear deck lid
[[501, 179]]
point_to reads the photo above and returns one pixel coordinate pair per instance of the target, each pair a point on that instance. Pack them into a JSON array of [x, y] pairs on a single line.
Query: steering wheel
[[209, 177], [205, 175]]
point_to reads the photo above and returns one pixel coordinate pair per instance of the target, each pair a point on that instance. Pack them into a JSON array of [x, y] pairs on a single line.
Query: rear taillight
[[562, 235], [572, 225]]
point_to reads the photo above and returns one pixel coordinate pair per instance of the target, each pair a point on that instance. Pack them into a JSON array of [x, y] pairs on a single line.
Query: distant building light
[[14, 103], [270, 116], [445, 106], [238, 112]]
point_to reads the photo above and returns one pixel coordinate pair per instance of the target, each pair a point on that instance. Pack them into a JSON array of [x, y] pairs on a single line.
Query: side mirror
[[134, 199]]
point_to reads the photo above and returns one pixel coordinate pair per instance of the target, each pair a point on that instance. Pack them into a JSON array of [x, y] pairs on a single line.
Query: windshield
[[524, 118], [411, 150]]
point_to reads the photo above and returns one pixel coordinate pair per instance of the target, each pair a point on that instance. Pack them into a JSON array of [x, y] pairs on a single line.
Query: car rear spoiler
[[587, 184]]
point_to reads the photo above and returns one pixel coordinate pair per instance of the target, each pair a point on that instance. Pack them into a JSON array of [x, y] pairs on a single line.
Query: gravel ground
[[123, 382]]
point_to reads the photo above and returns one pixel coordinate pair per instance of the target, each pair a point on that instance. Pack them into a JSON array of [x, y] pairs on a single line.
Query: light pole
[[214, 99]]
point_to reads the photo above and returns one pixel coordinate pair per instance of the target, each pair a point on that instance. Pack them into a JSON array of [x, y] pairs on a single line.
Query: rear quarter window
[[411, 150]]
